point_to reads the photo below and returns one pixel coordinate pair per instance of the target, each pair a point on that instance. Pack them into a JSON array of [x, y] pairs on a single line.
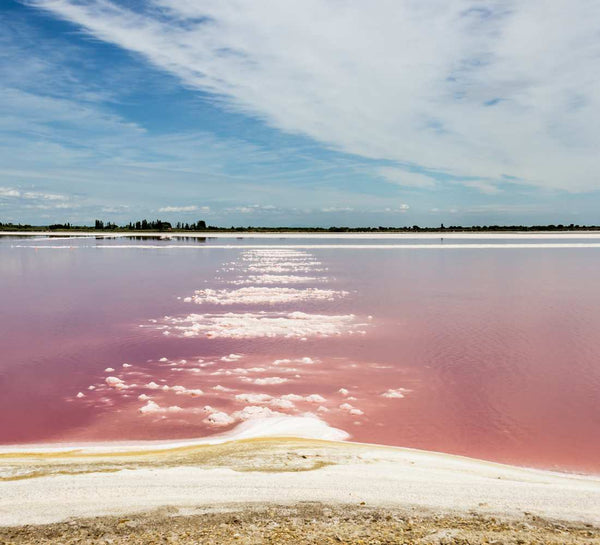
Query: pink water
[[491, 353]]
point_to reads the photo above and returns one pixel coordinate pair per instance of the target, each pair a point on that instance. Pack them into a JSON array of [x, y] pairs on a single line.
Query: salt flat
[[44, 487]]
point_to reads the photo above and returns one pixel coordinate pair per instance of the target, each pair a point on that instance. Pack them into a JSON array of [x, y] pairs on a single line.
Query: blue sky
[[322, 112]]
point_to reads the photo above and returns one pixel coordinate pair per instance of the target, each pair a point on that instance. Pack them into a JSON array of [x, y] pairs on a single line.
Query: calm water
[[491, 352]]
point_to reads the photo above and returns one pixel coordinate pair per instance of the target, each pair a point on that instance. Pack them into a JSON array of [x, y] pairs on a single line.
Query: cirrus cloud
[[464, 89]]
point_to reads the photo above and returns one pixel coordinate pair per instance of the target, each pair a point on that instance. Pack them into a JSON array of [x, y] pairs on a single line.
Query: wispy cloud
[[11, 192], [400, 209], [482, 186], [406, 178], [35, 200], [251, 209], [470, 89], [191, 208], [337, 209]]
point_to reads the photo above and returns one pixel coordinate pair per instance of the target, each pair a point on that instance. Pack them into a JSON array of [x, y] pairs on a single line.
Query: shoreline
[[53, 486], [268, 429], [296, 427], [305, 235]]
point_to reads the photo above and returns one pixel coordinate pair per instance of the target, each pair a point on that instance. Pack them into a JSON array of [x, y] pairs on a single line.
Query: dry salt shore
[[277, 486]]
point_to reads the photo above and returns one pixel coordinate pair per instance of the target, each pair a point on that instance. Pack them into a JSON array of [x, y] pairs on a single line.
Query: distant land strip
[[201, 226]]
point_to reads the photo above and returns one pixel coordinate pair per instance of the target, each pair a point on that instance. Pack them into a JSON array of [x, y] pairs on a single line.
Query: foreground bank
[[303, 524], [53, 485]]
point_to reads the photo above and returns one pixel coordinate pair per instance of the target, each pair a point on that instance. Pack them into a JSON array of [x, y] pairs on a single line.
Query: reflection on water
[[487, 353]]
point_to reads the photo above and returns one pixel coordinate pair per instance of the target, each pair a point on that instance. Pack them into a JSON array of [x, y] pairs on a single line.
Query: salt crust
[[262, 295]]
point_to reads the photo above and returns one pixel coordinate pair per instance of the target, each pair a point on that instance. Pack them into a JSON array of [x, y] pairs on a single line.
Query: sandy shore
[[40, 487], [302, 524]]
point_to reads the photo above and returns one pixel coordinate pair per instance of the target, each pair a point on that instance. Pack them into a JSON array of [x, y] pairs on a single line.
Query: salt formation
[[262, 295], [262, 275], [398, 393], [260, 324], [152, 408], [268, 279]]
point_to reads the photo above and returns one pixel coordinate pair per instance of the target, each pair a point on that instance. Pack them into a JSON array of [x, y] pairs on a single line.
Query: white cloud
[[59, 206], [482, 186], [250, 209], [337, 209], [44, 196], [405, 178], [115, 209], [468, 88], [191, 208], [401, 208], [9, 192], [31, 195]]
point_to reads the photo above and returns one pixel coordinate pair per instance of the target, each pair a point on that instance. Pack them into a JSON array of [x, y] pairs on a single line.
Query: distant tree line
[[198, 226], [159, 225], [152, 225]]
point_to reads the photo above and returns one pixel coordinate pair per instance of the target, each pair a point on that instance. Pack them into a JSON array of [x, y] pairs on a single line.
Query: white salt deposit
[[280, 426], [219, 419], [193, 392], [282, 403], [116, 383], [267, 380], [265, 399], [253, 398], [350, 409], [287, 267], [152, 407], [270, 279], [261, 324], [409, 246], [263, 295], [303, 361], [232, 357], [220, 388], [239, 371], [398, 393], [177, 389], [254, 411], [293, 397]]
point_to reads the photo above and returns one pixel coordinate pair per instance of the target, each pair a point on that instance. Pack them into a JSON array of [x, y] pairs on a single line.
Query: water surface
[[486, 347]]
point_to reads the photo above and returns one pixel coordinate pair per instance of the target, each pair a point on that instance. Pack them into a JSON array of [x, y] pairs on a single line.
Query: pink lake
[[490, 351]]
